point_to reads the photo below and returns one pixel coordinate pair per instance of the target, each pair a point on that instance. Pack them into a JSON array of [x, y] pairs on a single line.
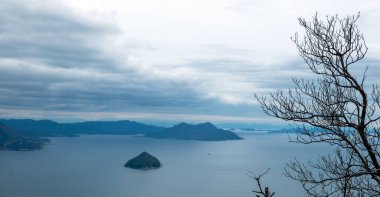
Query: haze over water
[[93, 166]]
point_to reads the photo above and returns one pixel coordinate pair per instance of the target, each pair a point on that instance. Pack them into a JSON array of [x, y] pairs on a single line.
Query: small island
[[202, 132], [143, 161]]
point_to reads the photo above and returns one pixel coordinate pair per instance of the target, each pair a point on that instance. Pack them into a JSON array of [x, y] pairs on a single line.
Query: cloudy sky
[[157, 60]]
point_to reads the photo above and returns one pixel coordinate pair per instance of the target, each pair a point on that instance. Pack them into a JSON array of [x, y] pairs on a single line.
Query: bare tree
[[260, 192], [335, 108]]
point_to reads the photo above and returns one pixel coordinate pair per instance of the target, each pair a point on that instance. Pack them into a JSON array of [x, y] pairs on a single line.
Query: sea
[[93, 166]]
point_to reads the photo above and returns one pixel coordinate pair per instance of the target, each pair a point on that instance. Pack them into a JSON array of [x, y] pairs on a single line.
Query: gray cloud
[[51, 36], [52, 60], [44, 87]]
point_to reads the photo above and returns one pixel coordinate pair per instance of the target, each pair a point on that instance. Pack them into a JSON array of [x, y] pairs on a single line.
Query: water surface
[[92, 166]]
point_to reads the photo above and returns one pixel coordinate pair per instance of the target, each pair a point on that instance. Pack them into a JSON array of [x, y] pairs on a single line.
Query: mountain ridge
[[202, 132], [49, 128]]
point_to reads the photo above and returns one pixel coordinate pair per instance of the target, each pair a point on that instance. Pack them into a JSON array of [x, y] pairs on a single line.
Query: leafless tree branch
[[336, 109], [263, 192]]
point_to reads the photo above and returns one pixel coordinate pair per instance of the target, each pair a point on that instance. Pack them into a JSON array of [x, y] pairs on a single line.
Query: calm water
[[92, 166]]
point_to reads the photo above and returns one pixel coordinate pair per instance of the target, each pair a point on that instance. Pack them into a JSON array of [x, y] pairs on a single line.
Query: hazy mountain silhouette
[[183, 131], [203, 132], [38, 128], [123, 127], [48, 128]]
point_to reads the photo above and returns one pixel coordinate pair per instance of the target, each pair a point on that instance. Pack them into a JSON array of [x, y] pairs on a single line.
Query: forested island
[[143, 161], [203, 132]]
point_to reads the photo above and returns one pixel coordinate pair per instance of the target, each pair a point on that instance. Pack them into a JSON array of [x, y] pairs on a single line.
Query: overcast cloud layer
[[200, 60]]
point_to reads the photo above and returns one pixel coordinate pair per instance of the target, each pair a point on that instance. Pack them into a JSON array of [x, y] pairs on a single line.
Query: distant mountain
[[123, 127], [11, 140], [38, 128], [203, 132], [48, 128]]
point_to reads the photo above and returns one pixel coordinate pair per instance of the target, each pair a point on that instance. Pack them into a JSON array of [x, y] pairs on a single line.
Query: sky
[[158, 60]]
